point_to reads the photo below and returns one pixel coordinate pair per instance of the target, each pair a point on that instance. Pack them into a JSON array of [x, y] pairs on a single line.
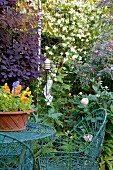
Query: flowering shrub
[[15, 99], [100, 62], [73, 25], [69, 31], [99, 65]]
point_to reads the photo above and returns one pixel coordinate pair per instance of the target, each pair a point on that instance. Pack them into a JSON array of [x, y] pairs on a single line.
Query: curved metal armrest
[[10, 148]]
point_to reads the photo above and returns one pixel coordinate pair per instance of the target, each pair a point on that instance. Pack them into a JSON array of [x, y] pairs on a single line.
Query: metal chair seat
[[79, 149], [70, 163]]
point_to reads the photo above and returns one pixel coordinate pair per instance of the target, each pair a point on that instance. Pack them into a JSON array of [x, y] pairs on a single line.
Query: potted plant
[[15, 106]]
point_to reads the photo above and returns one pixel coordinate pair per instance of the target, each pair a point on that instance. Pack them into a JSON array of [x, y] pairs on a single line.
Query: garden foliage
[[80, 44], [78, 38], [19, 59]]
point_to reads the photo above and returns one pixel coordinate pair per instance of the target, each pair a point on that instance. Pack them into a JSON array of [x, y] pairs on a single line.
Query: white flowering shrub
[[74, 26]]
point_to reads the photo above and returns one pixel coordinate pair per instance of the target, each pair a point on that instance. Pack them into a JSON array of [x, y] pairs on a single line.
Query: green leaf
[[95, 88], [111, 107], [54, 115], [66, 86], [105, 105], [51, 110], [92, 97], [107, 150], [81, 106], [61, 77]]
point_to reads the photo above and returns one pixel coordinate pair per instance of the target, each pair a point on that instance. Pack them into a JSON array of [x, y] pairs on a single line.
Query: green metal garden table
[[35, 134], [34, 131]]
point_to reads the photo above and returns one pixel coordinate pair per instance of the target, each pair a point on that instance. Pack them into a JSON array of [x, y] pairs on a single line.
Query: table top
[[34, 131]]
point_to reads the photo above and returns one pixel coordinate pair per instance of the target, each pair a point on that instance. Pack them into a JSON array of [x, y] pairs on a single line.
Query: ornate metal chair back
[[80, 148]]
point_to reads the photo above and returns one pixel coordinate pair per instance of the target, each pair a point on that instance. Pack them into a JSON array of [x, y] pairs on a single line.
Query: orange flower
[[7, 89], [24, 99], [19, 88], [17, 92]]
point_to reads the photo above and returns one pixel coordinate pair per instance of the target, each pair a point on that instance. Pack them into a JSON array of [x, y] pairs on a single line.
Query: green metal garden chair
[[79, 149], [14, 154]]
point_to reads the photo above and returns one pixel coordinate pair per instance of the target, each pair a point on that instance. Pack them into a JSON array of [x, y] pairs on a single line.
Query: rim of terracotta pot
[[17, 112]]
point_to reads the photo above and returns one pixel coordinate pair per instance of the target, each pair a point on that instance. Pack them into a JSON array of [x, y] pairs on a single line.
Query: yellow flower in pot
[[15, 105]]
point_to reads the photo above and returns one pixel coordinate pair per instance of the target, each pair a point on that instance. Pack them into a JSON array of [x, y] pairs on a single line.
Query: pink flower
[[110, 49], [85, 101], [100, 54], [91, 68], [104, 65], [88, 138]]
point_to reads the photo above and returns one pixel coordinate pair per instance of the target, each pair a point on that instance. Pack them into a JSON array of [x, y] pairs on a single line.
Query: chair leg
[[37, 165]]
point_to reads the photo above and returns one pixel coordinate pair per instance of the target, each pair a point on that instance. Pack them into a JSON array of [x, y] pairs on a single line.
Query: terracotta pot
[[13, 121]]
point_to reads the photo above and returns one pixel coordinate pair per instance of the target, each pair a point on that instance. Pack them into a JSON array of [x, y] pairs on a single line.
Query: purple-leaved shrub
[[19, 59]]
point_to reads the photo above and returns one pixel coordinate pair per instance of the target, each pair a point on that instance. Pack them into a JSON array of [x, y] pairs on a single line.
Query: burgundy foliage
[[19, 59]]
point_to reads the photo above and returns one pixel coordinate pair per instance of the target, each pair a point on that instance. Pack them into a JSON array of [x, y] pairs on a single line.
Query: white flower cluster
[[75, 23]]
